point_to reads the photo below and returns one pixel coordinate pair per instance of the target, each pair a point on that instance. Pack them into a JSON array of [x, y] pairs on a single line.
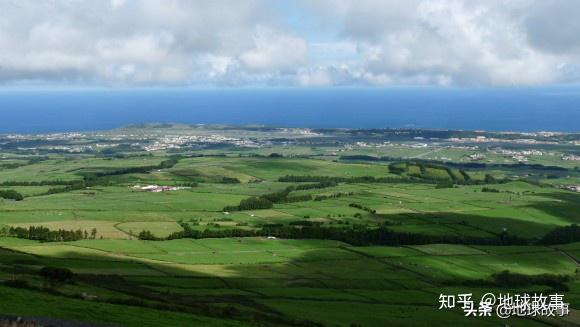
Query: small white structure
[[575, 188], [158, 188]]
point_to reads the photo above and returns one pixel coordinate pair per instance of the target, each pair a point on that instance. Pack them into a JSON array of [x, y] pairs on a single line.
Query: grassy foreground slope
[[286, 282]]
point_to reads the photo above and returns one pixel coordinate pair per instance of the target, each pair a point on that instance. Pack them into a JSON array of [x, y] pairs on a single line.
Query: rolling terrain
[[294, 228]]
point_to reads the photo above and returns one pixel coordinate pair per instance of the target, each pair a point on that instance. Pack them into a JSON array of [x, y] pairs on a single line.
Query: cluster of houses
[[575, 188], [158, 188], [476, 156], [522, 155], [571, 157], [179, 141]]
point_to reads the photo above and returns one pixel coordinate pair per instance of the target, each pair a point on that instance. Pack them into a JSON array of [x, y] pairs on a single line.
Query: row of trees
[[87, 181], [319, 185], [409, 178], [332, 196], [37, 183], [15, 165], [359, 179], [44, 234], [361, 207], [267, 201], [357, 235]]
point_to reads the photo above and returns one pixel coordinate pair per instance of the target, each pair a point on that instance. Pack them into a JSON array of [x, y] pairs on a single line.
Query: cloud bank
[[256, 42]]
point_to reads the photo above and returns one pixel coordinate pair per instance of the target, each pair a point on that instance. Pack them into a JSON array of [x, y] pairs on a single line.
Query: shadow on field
[[563, 205], [468, 225], [322, 286], [566, 205]]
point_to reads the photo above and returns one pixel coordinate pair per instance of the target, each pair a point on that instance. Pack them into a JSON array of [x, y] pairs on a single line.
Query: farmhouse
[[575, 188], [158, 188]]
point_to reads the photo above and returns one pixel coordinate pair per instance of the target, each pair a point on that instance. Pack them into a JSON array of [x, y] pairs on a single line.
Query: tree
[[146, 235], [489, 179]]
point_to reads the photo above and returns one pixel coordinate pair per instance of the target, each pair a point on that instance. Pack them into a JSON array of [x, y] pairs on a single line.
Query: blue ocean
[[509, 109]]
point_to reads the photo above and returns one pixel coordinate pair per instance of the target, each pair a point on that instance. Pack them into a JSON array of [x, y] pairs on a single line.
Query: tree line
[[357, 235], [44, 234], [350, 180], [361, 207], [267, 201], [332, 196], [37, 183]]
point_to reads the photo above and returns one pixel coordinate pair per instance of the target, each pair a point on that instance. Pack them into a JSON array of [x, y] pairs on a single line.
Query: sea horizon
[[533, 109]]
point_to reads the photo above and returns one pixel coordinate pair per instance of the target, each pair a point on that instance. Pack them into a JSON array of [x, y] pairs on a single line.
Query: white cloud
[[273, 51], [443, 42], [368, 42], [317, 77], [460, 42], [142, 42], [117, 3]]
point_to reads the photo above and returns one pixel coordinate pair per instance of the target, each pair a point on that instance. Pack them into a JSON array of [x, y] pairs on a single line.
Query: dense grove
[[11, 195]]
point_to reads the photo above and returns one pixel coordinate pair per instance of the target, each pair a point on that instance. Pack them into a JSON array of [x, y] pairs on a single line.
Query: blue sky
[[288, 43]]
